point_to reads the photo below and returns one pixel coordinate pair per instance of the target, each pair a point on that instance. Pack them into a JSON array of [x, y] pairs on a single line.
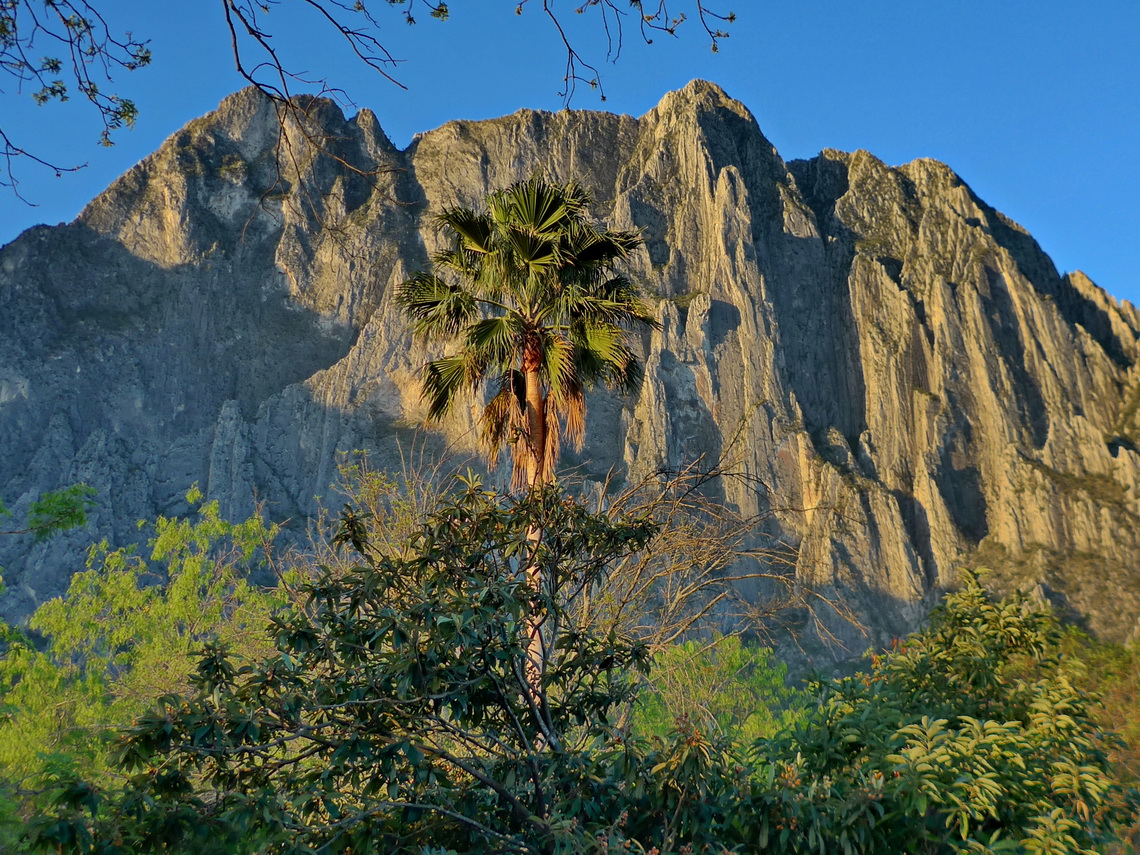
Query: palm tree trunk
[[536, 419], [537, 476]]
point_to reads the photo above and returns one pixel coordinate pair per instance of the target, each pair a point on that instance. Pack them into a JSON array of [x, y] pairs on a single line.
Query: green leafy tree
[[395, 714], [124, 632], [723, 685], [529, 291], [969, 737]]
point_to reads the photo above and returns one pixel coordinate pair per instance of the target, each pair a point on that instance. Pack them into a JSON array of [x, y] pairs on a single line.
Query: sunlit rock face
[[896, 372]]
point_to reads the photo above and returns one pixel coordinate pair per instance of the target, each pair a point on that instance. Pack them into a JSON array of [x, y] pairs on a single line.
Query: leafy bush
[[122, 633], [970, 737], [724, 686]]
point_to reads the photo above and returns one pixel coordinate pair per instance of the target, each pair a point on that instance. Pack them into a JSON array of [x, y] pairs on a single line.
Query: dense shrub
[[392, 707], [720, 684], [970, 737], [126, 630]]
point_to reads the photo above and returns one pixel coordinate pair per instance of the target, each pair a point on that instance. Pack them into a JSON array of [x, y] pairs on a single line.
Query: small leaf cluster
[[90, 50], [55, 511]]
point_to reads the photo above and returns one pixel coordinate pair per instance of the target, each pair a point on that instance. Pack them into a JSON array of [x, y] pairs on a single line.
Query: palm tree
[[530, 291]]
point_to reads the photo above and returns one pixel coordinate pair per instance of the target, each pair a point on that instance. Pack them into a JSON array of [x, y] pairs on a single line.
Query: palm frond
[[559, 366], [579, 307], [504, 416], [591, 247], [626, 377], [553, 436], [436, 307], [570, 407], [498, 340], [445, 379], [475, 231], [603, 339], [458, 260], [603, 356], [576, 198], [537, 206], [520, 467], [619, 289], [614, 301], [493, 277], [532, 252]]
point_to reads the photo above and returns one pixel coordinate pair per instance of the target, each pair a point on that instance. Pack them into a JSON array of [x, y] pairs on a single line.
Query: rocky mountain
[[897, 371]]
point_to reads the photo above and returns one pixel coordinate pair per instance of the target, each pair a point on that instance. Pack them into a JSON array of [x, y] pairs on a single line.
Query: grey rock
[[902, 376]]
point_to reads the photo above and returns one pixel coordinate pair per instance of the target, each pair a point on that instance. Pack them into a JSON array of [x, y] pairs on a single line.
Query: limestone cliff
[[896, 369]]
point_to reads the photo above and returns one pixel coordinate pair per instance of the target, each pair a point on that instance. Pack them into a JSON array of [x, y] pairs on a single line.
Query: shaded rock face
[[896, 371]]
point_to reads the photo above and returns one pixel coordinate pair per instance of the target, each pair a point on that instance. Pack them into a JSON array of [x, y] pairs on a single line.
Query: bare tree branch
[[86, 51]]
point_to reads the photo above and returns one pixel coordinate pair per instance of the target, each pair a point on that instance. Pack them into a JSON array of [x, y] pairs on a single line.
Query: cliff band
[[896, 370]]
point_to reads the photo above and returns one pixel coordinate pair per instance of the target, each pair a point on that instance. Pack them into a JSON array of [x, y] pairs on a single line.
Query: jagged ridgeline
[[896, 371]]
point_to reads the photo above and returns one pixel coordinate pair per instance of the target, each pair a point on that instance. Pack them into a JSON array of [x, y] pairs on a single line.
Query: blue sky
[[1035, 104]]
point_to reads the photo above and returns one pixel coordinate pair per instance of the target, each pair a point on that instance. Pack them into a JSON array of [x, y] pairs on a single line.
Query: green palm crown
[[530, 293]]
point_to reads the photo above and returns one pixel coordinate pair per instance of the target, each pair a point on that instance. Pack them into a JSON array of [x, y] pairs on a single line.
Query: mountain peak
[[701, 95]]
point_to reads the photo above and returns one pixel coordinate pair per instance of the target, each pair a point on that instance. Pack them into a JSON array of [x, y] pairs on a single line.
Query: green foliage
[[55, 511], [123, 632], [1112, 674], [969, 738], [1102, 488], [233, 168], [683, 301], [724, 686], [391, 709], [59, 510]]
